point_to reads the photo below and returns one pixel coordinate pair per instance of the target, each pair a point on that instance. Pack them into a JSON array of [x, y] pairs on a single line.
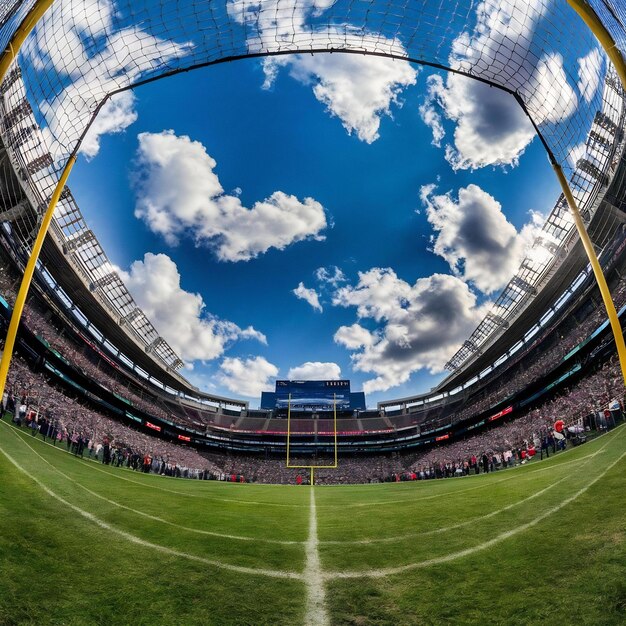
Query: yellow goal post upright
[[7, 57], [312, 468]]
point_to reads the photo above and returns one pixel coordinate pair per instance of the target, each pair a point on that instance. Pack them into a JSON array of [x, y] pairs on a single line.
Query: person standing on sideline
[[21, 413], [5, 401]]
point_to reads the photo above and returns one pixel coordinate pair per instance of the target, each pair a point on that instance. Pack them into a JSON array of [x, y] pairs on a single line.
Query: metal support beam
[[522, 285], [76, 242], [157, 343], [131, 317], [497, 320], [103, 282], [15, 212]]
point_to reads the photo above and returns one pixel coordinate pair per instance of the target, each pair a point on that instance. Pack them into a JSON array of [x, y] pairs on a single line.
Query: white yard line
[[316, 613], [469, 521], [444, 494], [114, 474], [154, 517], [92, 464], [313, 576], [388, 571], [147, 544], [446, 528]]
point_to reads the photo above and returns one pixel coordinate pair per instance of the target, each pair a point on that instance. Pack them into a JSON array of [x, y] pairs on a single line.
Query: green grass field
[[81, 543]]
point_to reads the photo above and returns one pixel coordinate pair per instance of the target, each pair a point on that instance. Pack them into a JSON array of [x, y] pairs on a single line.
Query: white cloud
[[589, 69], [92, 61], [74, 24], [419, 326], [553, 99], [491, 127], [178, 193], [315, 370], [274, 21], [501, 37], [578, 152], [354, 337], [474, 236], [309, 295], [429, 114], [359, 90], [178, 315], [330, 275], [115, 116], [247, 377]]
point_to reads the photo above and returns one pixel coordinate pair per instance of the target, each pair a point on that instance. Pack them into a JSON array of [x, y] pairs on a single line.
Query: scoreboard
[[313, 395]]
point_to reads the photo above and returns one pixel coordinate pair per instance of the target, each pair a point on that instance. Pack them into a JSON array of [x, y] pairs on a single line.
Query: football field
[[83, 543]]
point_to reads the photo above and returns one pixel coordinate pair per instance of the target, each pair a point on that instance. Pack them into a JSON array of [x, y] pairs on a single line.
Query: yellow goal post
[[312, 467]]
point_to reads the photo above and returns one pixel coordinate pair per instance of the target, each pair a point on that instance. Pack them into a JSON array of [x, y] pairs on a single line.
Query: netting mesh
[[83, 52]]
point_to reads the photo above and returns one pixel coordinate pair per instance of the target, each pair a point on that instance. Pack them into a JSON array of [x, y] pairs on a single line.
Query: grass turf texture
[[544, 541]]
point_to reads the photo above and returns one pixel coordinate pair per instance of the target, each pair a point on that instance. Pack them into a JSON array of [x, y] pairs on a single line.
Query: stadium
[[131, 494]]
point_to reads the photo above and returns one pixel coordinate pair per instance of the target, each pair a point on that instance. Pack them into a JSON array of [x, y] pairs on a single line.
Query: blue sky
[[282, 138], [317, 216]]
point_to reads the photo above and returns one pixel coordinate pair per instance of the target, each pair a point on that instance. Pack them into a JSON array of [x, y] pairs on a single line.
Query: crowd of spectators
[[85, 359], [581, 408], [525, 368], [67, 420], [63, 420], [541, 356]]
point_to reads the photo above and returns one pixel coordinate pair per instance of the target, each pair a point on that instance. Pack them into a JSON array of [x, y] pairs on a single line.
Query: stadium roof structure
[[82, 53]]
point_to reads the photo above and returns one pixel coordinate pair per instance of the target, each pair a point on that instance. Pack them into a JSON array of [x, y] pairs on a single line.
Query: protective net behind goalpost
[[81, 52], [83, 57]]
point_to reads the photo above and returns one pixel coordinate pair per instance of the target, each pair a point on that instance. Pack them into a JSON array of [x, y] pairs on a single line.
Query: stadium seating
[[577, 402]]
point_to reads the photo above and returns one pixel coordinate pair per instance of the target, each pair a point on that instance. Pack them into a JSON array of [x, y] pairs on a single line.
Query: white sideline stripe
[[316, 613], [154, 517], [442, 530], [467, 522], [90, 463], [147, 544], [485, 485], [284, 542], [186, 493], [189, 494], [388, 571]]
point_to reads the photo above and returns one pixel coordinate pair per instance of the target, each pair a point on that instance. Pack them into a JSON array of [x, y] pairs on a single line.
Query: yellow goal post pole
[[6, 59], [24, 29], [288, 427], [616, 326], [20, 301], [591, 19]]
